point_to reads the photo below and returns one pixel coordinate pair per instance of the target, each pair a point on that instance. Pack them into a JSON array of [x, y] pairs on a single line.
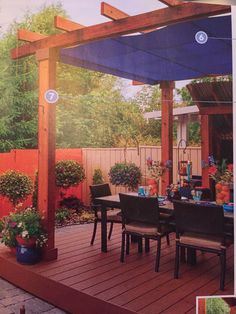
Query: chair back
[[99, 190], [139, 209], [199, 218]]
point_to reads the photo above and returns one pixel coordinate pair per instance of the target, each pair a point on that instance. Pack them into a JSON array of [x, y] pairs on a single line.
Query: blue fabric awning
[[170, 53]]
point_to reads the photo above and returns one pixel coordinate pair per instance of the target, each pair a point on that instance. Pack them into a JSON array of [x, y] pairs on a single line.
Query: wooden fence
[[26, 161], [104, 158]]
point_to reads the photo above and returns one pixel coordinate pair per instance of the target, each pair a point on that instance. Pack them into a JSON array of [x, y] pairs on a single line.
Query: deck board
[[113, 287]]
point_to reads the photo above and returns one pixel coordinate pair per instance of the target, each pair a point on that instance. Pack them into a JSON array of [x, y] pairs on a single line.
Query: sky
[[85, 12]]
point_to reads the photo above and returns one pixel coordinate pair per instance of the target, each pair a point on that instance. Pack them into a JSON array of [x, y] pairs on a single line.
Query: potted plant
[[222, 174], [24, 230], [155, 171], [16, 186], [125, 174]]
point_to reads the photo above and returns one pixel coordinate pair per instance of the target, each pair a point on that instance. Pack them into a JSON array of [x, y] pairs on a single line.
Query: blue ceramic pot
[[27, 255]]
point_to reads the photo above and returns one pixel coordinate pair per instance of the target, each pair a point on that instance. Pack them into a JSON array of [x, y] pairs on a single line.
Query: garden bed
[[74, 217]]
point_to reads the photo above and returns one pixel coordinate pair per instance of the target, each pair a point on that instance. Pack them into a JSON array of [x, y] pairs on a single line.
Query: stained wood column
[[167, 88], [46, 147], [206, 146], [201, 306]]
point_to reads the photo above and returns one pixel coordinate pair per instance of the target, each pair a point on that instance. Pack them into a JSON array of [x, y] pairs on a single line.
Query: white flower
[[20, 224], [25, 234]]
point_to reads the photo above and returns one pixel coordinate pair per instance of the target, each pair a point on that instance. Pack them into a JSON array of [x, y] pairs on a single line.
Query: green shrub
[[61, 215], [125, 174], [15, 186], [97, 177], [69, 173], [217, 306], [71, 202]]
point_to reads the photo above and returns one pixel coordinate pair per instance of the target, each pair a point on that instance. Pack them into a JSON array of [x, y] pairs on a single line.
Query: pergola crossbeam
[[132, 24], [209, 110], [66, 25]]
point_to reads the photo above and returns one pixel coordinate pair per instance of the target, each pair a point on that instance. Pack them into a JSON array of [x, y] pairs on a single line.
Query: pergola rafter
[[26, 35], [46, 50], [111, 12], [115, 14], [66, 25]]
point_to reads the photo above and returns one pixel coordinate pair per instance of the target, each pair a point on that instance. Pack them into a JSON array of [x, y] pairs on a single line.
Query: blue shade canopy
[[170, 53]]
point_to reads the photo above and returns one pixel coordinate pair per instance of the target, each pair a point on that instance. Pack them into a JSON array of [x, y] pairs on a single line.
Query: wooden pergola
[[46, 49]]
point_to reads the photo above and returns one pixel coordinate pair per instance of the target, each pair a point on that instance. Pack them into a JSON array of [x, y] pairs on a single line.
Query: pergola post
[[206, 146], [46, 146], [167, 88]]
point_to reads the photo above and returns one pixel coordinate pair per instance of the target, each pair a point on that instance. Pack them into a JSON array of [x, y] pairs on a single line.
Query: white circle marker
[[51, 96], [201, 37]]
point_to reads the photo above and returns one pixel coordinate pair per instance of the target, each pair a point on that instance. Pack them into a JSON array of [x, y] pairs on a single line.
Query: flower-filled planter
[[26, 251], [155, 171], [222, 193], [31, 242], [23, 230], [222, 174], [153, 186]]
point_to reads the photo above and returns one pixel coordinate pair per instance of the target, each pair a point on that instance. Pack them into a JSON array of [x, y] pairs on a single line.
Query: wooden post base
[[50, 254]]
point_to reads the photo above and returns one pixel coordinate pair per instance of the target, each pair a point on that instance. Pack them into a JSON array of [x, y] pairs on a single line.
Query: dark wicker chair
[[113, 215], [140, 218], [200, 227]]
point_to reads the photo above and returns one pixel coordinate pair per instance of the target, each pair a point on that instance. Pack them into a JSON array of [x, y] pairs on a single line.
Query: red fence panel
[[26, 161]]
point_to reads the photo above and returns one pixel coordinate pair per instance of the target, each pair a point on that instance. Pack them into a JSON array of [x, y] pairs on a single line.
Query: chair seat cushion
[[112, 215], [206, 241], [141, 228], [145, 229]]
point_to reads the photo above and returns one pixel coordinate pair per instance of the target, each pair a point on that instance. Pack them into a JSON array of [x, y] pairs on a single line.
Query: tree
[[18, 83], [91, 110], [99, 117]]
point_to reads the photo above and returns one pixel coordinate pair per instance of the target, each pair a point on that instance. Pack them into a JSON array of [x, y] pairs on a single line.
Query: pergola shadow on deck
[[84, 280]]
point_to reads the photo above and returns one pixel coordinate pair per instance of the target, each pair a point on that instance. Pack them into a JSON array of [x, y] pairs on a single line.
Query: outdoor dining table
[[113, 201]]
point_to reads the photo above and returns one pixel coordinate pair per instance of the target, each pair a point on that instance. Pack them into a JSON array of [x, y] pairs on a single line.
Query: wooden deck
[[85, 281]]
